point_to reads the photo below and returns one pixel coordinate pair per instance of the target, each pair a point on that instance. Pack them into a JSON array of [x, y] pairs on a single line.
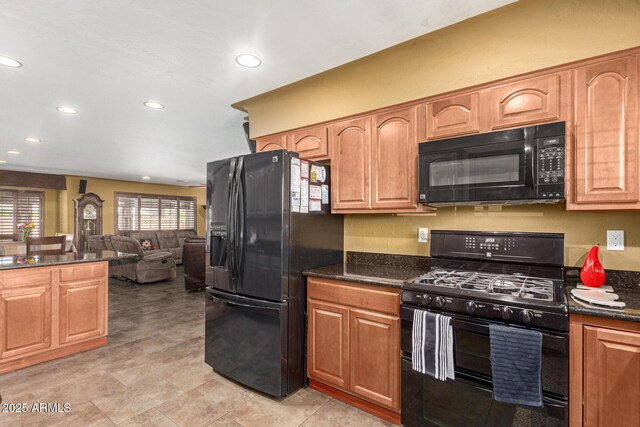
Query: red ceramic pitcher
[[592, 273]]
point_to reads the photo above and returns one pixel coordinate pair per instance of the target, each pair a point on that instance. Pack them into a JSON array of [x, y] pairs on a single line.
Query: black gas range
[[479, 279]]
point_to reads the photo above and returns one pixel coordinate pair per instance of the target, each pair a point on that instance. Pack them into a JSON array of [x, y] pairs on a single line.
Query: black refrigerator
[[268, 219]]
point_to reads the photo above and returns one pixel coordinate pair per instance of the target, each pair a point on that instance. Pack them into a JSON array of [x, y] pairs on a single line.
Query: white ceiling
[[106, 58]]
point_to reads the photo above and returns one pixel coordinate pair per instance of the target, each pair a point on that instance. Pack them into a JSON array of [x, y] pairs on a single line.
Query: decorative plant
[[26, 229]]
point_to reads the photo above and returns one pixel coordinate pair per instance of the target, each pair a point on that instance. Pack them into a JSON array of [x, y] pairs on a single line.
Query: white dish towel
[[432, 345]]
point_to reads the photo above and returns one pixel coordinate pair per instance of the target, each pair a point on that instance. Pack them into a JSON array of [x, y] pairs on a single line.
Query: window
[[154, 212], [17, 207]]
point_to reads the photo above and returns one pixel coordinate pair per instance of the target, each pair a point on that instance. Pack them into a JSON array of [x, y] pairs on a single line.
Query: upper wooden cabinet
[[525, 102], [394, 160], [606, 141], [310, 143], [268, 143], [453, 116], [351, 164], [605, 372]]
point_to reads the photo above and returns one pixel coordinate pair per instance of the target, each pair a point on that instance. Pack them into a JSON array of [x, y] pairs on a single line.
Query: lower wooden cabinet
[[354, 341], [50, 312], [605, 372]]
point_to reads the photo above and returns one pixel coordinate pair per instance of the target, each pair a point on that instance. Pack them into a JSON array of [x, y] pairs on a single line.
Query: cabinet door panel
[[25, 320], [311, 143], [606, 147], [525, 102], [328, 343], [270, 143], [458, 115], [375, 357], [351, 164], [611, 377], [394, 159], [82, 310]]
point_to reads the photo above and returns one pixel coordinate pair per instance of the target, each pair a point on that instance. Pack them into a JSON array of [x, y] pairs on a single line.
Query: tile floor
[[152, 373]]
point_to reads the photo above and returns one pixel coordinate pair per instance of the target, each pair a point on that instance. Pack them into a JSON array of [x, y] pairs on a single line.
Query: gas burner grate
[[530, 288]]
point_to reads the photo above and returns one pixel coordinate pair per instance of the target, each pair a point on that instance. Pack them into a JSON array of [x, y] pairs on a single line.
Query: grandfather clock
[[88, 219]]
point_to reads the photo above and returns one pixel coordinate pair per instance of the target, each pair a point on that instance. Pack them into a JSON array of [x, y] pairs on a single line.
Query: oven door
[[460, 171], [468, 401], [472, 351]]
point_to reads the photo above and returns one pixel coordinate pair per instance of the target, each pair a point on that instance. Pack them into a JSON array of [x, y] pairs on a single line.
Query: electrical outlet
[[615, 240], [423, 235]]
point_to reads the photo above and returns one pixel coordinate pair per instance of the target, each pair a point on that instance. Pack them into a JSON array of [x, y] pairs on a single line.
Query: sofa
[[162, 241], [148, 267]]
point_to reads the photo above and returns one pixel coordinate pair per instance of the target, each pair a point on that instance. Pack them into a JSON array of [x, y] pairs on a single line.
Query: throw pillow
[[146, 244]]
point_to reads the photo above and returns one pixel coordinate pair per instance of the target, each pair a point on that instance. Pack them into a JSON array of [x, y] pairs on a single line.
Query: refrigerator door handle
[[240, 216], [230, 221], [266, 308]]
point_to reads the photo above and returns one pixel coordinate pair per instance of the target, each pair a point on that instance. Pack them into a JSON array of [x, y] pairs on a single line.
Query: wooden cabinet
[[525, 102], [269, 143], [606, 157], [82, 314], [310, 143], [605, 372], [50, 312], [394, 160], [351, 164], [375, 357], [25, 320], [328, 343], [453, 116], [354, 344]]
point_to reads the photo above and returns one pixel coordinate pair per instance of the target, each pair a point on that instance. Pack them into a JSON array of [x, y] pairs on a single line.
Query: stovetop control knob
[[471, 307], [426, 299], [439, 301], [526, 316], [506, 312]]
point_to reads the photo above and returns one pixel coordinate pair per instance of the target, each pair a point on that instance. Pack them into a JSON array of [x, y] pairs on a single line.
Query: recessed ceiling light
[[146, 178], [248, 60], [9, 62], [67, 110], [13, 152], [154, 105], [3, 161], [32, 140]]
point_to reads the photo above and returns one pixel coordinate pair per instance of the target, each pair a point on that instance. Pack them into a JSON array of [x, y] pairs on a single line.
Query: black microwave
[[524, 165]]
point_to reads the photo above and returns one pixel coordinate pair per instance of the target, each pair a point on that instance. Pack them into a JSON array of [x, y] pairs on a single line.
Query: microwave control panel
[[551, 160]]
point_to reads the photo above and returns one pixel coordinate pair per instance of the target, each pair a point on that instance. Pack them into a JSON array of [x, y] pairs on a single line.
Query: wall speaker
[[83, 186]]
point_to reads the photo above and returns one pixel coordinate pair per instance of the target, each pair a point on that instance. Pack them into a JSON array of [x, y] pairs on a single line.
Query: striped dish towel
[[432, 345]]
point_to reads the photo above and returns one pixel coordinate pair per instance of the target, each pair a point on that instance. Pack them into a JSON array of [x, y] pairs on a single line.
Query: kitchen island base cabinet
[[354, 345], [51, 312], [605, 372]]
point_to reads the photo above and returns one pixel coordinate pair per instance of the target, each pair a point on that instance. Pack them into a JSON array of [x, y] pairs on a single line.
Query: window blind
[[154, 212], [17, 207]]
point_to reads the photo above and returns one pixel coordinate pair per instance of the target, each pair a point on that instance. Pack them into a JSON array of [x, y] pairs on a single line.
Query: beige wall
[[106, 189], [399, 233], [525, 36]]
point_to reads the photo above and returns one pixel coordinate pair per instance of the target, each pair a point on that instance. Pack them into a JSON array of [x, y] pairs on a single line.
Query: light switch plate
[[615, 240], [423, 235]]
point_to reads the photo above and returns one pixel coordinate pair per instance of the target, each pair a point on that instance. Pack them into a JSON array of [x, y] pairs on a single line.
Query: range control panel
[[535, 248]]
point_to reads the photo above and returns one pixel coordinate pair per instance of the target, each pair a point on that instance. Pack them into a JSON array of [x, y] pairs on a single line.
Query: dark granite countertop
[[13, 262], [628, 295], [373, 269], [624, 283]]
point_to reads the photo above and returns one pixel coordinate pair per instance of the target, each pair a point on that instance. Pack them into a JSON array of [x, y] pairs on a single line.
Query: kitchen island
[[52, 306]]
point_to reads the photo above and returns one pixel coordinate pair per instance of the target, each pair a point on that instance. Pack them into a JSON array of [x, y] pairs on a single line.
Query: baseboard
[[378, 411]]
